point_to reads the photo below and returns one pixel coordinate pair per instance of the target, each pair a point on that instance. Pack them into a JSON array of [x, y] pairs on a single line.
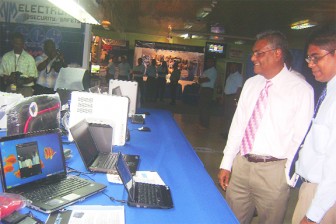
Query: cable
[[113, 199]]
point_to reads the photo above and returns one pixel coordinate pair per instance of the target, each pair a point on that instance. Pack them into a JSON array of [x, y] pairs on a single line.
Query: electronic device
[[33, 166], [102, 136], [144, 128], [128, 89], [35, 113], [70, 78], [95, 69], [217, 50], [137, 119], [100, 108], [5, 100], [93, 159], [143, 195]]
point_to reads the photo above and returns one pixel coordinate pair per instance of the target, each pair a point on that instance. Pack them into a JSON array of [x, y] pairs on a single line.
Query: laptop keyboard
[[149, 194], [58, 189], [108, 161]]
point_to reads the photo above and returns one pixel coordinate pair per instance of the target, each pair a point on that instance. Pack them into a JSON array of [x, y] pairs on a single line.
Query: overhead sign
[[38, 12]]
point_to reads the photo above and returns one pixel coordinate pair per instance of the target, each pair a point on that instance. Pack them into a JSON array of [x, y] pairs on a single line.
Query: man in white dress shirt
[[317, 158], [258, 179]]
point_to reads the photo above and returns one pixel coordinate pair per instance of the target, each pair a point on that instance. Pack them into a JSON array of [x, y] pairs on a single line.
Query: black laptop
[[94, 159], [33, 166], [143, 195]]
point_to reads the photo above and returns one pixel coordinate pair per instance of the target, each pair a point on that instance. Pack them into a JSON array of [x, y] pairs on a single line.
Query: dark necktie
[[292, 168]]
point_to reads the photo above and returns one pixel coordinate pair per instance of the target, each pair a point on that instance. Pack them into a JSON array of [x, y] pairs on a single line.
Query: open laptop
[[94, 159], [143, 195], [33, 166]]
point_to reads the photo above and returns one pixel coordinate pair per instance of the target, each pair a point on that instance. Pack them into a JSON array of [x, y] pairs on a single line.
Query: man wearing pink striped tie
[[272, 117]]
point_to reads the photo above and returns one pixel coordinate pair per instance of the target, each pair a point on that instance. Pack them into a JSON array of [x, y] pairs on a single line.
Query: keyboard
[[108, 161], [149, 194], [54, 190]]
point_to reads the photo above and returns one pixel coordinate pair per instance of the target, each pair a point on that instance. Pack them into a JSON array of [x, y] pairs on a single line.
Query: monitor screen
[[215, 49], [95, 69]]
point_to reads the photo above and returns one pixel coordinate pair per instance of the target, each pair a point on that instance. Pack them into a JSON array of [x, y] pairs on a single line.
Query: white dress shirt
[[211, 74], [284, 123], [233, 83], [317, 158]]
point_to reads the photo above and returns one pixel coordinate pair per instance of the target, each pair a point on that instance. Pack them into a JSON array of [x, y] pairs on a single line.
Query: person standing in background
[[174, 78], [317, 158], [138, 74], [151, 74], [162, 71], [207, 81], [232, 89], [48, 65], [272, 116], [18, 71], [112, 70], [124, 69]]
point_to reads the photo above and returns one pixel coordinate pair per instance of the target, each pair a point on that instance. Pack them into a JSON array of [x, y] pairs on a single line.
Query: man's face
[[322, 63], [264, 58], [48, 49], [18, 45]]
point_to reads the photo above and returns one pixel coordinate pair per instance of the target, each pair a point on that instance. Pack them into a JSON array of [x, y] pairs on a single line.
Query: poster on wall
[[37, 12], [190, 58]]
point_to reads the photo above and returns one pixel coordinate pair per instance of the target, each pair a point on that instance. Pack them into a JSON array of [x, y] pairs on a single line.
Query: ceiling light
[[73, 8], [185, 35], [106, 24], [203, 12], [239, 42], [302, 24], [187, 26]]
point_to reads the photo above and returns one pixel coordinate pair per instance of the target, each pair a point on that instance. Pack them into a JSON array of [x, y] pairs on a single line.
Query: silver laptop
[[33, 166], [94, 159]]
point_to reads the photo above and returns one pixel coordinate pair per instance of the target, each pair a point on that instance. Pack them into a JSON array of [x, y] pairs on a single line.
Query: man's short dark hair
[[324, 37], [275, 38], [17, 35]]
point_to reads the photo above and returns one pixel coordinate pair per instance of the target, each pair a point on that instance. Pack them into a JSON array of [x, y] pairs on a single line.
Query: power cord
[[113, 199]]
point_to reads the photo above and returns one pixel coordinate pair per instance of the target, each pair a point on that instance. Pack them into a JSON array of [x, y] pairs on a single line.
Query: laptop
[[95, 160], [143, 195], [33, 166]]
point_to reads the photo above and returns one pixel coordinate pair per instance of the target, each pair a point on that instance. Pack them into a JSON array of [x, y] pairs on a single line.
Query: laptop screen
[[125, 175], [84, 142], [31, 157]]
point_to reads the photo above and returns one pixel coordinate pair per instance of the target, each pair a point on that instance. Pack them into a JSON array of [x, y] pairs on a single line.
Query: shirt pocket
[[320, 137]]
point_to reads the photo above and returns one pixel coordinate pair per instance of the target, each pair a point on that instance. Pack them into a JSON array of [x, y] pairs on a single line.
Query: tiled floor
[[208, 143]]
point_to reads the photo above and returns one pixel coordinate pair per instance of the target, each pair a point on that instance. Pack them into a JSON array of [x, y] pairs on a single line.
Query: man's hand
[[224, 178], [305, 220]]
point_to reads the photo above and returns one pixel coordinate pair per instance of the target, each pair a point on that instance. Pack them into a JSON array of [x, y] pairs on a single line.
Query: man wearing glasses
[[317, 158], [271, 119]]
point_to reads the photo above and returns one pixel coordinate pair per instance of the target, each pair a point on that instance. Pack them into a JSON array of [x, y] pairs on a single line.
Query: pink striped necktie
[[255, 120]]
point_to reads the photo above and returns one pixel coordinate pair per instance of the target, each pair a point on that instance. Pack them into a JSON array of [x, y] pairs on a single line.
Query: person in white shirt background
[[48, 65], [232, 89], [256, 177], [124, 69], [317, 158]]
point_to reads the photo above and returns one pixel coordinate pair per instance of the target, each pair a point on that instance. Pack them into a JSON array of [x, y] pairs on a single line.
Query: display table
[[167, 151]]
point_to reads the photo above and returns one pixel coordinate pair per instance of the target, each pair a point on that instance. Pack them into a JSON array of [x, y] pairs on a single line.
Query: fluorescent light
[[302, 24], [75, 10], [203, 12]]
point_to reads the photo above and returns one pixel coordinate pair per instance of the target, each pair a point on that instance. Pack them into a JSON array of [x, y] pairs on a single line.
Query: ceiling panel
[[239, 18]]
